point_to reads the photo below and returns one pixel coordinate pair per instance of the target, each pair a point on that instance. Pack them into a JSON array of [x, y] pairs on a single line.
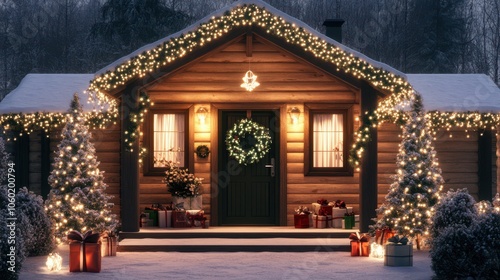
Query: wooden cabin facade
[[209, 77]]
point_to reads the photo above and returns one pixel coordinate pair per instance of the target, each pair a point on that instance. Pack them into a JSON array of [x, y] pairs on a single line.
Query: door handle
[[272, 167]]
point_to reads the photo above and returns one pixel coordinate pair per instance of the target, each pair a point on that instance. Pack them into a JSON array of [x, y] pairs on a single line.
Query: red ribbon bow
[[355, 236], [322, 201], [340, 204]]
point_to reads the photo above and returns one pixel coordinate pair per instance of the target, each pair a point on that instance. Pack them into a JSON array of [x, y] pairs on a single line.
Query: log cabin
[[310, 100]]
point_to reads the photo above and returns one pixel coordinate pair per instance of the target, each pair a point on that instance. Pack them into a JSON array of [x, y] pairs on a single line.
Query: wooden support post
[[22, 161], [485, 174], [368, 177], [129, 179], [45, 164]]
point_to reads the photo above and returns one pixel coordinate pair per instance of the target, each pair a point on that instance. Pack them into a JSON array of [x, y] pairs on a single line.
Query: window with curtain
[[328, 137], [169, 139], [328, 140]]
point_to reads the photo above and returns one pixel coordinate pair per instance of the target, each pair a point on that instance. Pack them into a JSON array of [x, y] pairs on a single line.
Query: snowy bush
[[38, 233], [452, 252], [455, 208], [465, 238], [486, 234], [10, 238]]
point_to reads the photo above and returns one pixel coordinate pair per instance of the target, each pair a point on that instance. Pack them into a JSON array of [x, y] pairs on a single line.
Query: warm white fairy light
[[376, 250], [54, 262], [250, 81]]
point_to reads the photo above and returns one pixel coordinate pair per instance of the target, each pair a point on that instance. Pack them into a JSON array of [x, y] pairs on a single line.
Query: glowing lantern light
[[376, 251], [54, 262]]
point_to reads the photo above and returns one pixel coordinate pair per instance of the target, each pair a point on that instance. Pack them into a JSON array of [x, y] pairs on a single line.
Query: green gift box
[[349, 222], [153, 216]]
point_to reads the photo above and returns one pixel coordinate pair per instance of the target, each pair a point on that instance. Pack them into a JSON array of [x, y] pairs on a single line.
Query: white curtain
[[168, 133], [328, 136]]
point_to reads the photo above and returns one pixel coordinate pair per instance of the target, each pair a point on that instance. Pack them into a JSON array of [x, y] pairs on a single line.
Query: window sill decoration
[[248, 142], [202, 151]]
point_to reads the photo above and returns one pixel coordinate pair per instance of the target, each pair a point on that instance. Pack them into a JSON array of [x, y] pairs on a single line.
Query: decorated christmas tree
[[409, 204], [77, 199]]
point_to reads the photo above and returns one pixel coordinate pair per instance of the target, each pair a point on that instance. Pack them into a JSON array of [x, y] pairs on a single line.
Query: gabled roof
[[457, 92], [50, 93], [298, 23]]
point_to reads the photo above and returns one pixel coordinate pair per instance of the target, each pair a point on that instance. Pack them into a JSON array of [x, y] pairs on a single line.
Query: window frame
[[148, 141], [310, 110]]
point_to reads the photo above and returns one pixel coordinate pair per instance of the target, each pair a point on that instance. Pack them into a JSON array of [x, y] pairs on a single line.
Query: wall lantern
[[294, 113], [202, 114]]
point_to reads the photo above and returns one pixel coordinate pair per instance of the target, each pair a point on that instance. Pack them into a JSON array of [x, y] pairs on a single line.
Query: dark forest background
[[82, 36]]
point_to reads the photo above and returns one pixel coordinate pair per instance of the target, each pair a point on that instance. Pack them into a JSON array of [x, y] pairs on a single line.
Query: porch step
[[235, 239]]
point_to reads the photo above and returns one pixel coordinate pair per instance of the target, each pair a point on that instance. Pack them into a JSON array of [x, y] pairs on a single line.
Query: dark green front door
[[249, 195]]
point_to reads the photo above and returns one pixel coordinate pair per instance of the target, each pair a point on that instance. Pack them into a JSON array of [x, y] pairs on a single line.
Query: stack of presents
[[324, 214], [173, 216], [397, 251]]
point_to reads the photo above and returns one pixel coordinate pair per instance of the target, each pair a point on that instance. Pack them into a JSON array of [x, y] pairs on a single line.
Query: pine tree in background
[[409, 204], [77, 199]]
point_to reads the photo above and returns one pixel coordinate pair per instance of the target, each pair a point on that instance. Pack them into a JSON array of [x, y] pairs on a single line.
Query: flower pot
[[190, 203]]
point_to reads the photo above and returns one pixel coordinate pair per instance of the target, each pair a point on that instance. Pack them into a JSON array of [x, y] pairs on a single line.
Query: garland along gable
[[248, 15]]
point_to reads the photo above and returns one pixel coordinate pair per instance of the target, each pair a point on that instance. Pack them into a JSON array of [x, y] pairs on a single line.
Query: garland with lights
[[248, 141], [136, 117]]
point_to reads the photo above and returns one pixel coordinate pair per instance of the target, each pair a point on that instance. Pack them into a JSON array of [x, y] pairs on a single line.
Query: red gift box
[[382, 235], [355, 248], [301, 221], [84, 252], [327, 210], [360, 245], [179, 219]]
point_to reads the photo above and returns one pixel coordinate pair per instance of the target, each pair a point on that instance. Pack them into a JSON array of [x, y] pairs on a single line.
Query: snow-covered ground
[[242, 265]]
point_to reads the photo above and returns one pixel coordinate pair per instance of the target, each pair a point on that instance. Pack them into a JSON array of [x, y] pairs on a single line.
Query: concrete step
[[235, 239]]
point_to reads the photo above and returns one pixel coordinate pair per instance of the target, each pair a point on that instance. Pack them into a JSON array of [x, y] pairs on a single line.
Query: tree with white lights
[[77, 199], [409, 204]]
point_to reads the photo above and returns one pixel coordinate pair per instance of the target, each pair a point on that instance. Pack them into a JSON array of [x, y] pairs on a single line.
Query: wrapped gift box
[[109, 246], [162, 218], [338, 216], [398, 255], [84, 252], [382, 235], [319, 221], [153, 216], [359, 248], [179, 219], [301, 220], [316, 208], [360, 244], [348, 222]]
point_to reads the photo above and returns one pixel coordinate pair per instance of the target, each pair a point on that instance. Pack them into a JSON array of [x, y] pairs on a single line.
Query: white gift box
[[162, 219], [319, 221], [338, 216]]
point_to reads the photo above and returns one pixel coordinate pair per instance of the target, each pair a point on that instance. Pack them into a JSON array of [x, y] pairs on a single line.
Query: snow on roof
[[270, 9], [457, 92], [46, 93]]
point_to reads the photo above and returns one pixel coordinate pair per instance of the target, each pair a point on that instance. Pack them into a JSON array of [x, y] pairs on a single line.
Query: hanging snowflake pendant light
[[250, 81]]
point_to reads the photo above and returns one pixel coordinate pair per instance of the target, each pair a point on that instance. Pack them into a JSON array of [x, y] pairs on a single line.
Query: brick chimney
[[334, 29]]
